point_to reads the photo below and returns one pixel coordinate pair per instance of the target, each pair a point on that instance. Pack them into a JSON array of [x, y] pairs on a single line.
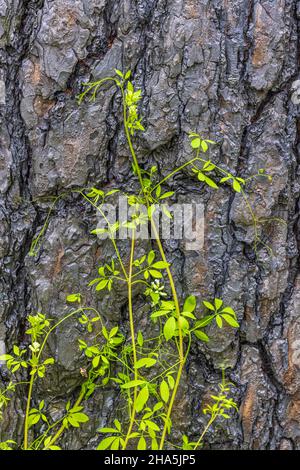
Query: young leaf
[[219, 321], [167, 194], [140, 339], [142, 444], [142, 399], [133, 383], [230, 320], [189, 304], [204, 321], [102, 284], [218, 303], [195, 143], [151, 257], [164, 391], [229, 310], [236, 186], [169, 328], [210, 182], [160, 265], [155, 274], [208, 305], [118, 72], [106, 443], [201, 335], [145, 362], [204, 146]]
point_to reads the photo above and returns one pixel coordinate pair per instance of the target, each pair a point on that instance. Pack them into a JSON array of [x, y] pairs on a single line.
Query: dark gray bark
[[224, 68]]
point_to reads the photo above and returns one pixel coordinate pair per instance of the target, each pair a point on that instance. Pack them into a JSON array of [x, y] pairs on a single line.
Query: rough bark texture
[[223, 68]]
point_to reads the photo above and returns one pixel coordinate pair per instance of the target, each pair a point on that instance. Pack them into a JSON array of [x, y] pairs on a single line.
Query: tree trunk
[[225, 69]]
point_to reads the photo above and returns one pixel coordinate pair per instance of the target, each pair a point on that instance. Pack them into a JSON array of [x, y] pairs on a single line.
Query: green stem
[[63, 427], [26, 427], [171, 280], [210, 422]]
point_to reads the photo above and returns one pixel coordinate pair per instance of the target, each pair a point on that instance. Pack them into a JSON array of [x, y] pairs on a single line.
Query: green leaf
[[210, 182], [118, 424], [96, 361], [133, 383], [33, 419], [155, 274], [167, 212], [80, 417], [152, 425], [107, 430], [219, 321], [195, 143], [236, 186], [142, 399], [189, 304], [140, 339], [208, 305], [229, 310], [171, 382], [226, 178], [201, 335], [158, 191], [102, 284], [167, 194], [130, 87], [169, 328], [230, 320], [201, 176], [204, 321], [6, 357], [154, 444], [118, 72], [142, 444], [151, 257], [218, 303], [74, 298], [160, 265], [164, 391], [204, 146], [115, 444], [106, 443], [188, 315], [159, 313], [145, 362], [128, 74]]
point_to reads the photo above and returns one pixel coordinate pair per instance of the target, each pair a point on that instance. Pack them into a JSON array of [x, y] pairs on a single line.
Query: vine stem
[[26, 428], [132, 331], [210, 422], [170, 276], [62, 428]]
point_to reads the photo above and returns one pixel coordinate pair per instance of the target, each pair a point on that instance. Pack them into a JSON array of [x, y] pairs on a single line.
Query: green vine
[[146, 370]]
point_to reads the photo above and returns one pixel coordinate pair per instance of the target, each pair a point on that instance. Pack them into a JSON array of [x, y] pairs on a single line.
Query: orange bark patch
[[36, 73], [247, 411], [41, 106], [57, 265]]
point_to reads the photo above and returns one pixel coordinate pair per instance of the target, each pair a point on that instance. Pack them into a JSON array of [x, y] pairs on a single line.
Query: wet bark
[[227, 69]]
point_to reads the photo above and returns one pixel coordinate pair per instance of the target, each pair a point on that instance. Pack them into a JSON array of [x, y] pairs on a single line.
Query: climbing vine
[[146, 369]]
